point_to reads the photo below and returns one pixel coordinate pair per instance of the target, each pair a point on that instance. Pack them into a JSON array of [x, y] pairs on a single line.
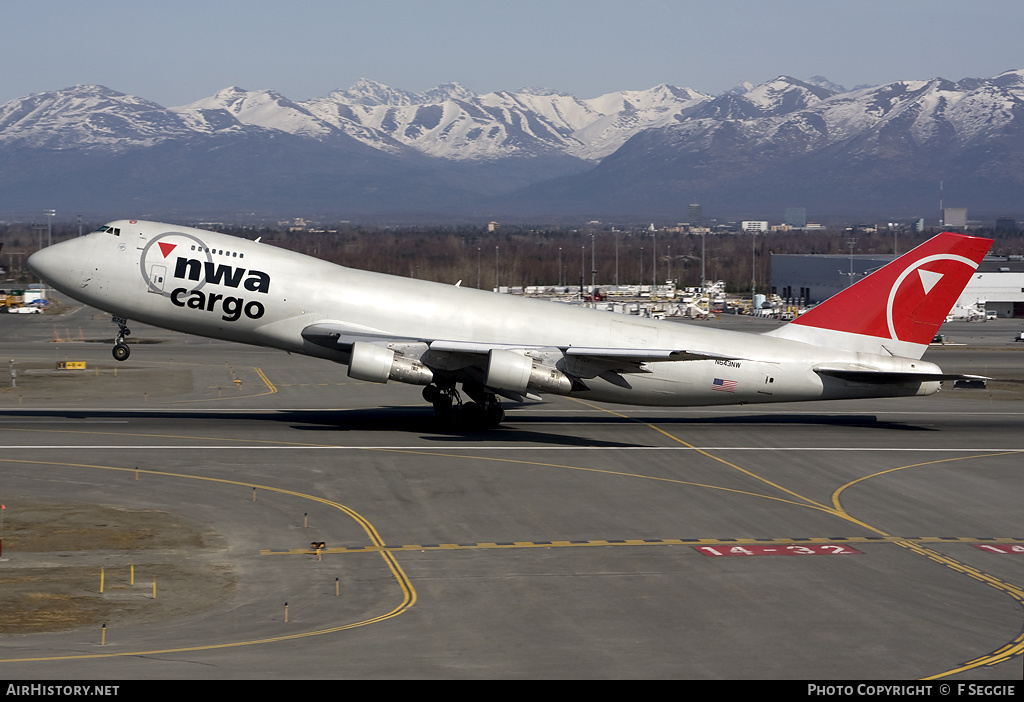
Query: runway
[[857, 540]]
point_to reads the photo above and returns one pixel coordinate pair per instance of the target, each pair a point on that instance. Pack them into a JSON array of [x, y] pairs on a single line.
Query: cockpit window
[[110, 230]]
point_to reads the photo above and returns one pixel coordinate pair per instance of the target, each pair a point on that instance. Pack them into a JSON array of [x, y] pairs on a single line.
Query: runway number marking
[[796, 550], [1002, 549]]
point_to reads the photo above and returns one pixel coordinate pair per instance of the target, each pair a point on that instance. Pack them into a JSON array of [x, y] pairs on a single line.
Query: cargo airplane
[[866, 341]]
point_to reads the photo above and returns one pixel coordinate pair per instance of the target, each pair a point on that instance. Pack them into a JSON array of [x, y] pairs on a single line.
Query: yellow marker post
[[132, 579], [101, 580], [337, 588], [285, 612], [103, 636]]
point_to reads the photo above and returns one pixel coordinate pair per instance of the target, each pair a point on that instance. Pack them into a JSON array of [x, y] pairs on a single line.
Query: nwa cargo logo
[[179, 266]]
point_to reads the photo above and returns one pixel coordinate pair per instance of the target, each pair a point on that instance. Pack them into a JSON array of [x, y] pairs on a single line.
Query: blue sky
[[177, 52]]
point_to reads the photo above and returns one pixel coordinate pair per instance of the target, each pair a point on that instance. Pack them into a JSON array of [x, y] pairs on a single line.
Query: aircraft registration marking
[[791, 550]]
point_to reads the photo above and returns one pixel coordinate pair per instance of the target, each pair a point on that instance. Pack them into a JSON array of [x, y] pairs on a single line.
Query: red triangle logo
[[166, 248]]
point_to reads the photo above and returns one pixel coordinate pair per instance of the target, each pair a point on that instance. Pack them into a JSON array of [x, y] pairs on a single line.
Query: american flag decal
[[724, 385]]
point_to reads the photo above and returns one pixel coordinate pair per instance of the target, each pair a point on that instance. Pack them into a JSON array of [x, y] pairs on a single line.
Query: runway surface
[[856, 540]]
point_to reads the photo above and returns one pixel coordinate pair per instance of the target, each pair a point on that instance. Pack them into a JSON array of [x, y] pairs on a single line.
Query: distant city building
[[796, 217], [954, 217], [1006, 224], [694, 215], [919, 225], [753, 226]]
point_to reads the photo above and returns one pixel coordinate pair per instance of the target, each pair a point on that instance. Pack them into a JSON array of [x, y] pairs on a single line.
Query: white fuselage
[[225, 287]]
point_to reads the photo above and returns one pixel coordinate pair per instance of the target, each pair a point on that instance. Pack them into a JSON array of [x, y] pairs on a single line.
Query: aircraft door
[[157, 274]]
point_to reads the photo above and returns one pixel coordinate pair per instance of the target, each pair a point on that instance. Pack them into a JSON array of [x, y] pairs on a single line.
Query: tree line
[[522, 256]]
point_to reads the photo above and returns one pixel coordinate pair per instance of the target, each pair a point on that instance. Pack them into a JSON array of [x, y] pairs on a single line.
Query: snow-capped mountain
[[374, 148], [86, 116], [790, 142], [265, 108], [453, 123]]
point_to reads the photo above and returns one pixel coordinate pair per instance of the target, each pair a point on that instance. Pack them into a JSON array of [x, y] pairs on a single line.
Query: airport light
[[593, 265], [616, 261], [50, 214], [753, 264], [654, 266]]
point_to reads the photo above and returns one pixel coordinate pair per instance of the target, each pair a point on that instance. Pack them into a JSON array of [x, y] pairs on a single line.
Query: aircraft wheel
[[471, 413], [494, 416], [476, 417], [121, 352], [432, 393], [443, 408]]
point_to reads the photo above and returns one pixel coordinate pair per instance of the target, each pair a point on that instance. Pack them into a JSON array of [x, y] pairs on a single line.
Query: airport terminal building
[[997, 286]]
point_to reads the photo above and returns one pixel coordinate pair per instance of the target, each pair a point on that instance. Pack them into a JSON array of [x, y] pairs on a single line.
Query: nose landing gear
[[121, 350]]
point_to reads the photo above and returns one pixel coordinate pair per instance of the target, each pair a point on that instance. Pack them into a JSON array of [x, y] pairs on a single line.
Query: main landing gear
[[121, 350], [482, 412]]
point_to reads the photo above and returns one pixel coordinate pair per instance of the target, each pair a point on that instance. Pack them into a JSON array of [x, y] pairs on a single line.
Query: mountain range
[[373, 151]]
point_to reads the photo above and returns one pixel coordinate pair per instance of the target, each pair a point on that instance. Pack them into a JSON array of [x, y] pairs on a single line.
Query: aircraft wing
[[577, 362], [343, 336]]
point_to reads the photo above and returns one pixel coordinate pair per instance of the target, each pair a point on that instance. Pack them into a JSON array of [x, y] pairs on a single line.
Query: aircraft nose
[[56, 265], [47, 263]]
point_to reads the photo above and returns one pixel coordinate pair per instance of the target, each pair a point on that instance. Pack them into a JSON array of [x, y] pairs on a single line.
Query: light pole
[[852, 241], [50, 214], [654, 266], [753, 264], [616, 260], [703, 275], [640, 289], [583, 265]]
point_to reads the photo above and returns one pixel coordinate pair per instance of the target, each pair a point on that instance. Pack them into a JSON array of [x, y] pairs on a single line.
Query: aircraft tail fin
[[899, 308]]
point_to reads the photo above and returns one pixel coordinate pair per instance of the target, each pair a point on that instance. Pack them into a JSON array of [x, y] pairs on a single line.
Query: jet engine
[[378, 364], [514, 372]]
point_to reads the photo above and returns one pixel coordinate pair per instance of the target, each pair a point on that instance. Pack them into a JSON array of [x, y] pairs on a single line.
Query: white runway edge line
[[729, 411], [443, 449]]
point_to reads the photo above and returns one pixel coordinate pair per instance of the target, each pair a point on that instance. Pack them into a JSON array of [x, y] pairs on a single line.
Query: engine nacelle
[[378, 364], [507, 370], [514, 372]]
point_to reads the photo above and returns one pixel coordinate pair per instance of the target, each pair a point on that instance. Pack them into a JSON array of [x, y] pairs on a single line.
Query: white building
[[997, 286]]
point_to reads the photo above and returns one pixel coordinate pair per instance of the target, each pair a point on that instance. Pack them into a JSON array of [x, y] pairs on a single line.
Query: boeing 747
[[866, 341]]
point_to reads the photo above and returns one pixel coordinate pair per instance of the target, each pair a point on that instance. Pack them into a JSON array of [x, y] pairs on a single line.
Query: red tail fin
[[907, 300]]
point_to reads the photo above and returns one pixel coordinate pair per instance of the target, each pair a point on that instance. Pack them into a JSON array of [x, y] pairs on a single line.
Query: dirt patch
[[46, 382], [58, 557]]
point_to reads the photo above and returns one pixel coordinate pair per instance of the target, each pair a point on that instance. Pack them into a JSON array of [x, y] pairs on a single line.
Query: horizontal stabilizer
[[868, 375]]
